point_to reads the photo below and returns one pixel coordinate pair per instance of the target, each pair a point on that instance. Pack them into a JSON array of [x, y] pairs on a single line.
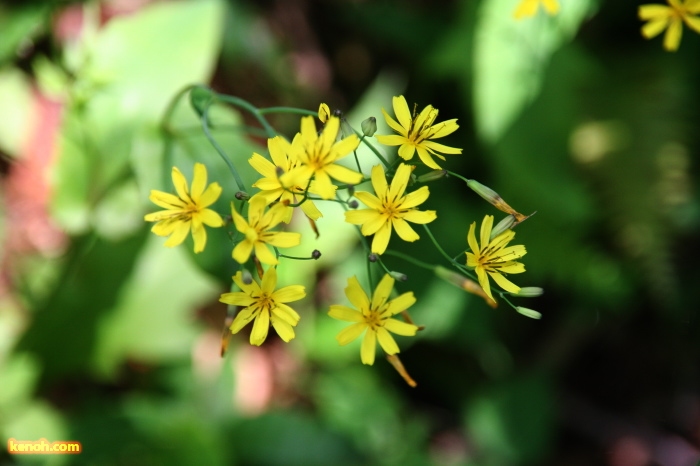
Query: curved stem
[[410, 259], [297, 111], [205, 127], [238, 102]]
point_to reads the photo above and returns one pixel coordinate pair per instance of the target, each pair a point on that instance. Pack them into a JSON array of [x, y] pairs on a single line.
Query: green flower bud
[[502, 226], [431, 176], [200, 98], [398, 276], [373, 257], [369, 126], [242, 196], [529, 292], [485, 192], [247, 277], [315, 254], [528, 312], [353, 204]]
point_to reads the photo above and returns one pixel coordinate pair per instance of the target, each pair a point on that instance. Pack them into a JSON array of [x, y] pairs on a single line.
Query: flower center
[[373, 320]]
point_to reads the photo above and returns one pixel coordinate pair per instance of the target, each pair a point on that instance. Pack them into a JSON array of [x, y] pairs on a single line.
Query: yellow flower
[[415, 133], [266, 306], [527, 8], [318, 154], [494, 258], [186, 211], [270, 185], [256, 232], [390, 208], [671, 18], [373, 316], [324, 113]]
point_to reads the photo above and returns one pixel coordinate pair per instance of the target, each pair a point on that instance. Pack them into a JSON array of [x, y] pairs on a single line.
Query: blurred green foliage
[[113, 340]]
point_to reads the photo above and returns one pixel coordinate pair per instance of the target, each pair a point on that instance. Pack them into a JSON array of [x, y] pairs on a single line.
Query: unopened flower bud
[[485, 192], [247, 277], [324, 113], [529, 292], [398, 276], [528, 312], [373, 257], [369, 126], [242, 196], [337, 113], [315, 254], [502, 226], [353, 204], [351, 190], [431, 176]]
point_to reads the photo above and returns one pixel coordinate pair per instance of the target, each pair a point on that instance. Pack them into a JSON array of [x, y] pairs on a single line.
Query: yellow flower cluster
[[301, 173], [660, 18]]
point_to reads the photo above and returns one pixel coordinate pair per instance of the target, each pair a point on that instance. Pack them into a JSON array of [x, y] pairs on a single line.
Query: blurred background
[[110, 339]]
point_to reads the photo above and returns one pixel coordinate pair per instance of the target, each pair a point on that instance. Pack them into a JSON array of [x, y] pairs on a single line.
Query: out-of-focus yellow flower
[[493, 258], [186, 211], [270, 185], [266, 305], [257, 232], [373, 316], [527, 8], [390, 208], [416, 132], [670, 18], [318, 155]]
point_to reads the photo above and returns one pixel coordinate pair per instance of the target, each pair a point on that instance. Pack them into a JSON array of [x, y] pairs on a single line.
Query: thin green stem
[[238, 102], [373, 149], [297, 111], [457, 175], [205, 127], [169, 133], [410, 259]]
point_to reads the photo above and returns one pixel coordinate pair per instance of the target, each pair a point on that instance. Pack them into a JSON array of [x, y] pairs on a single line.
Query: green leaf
[[510, 58]]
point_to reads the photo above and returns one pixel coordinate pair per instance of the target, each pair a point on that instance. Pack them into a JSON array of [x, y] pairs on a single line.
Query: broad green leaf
[[133, 68], [511, 56], [152, 319]]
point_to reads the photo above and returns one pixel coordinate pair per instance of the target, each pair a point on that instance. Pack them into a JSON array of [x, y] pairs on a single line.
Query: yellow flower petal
[[180, 231], [369, 347], [401, 110], [345, 313], [369, 200], [356, 295], [264, 255], [672, 39], [486, 230], [210, 218], [242, 319], [349, 334], [343, 174], [404, 230], [260, 328], [180, 184], [417, 216], [199, 182], [199, 235], [237, 298], [166, 200], [391, 140], [427, 159], [289, 294], [399, 304], [381, 238], [241, 253], [504, 283], [283, 329], [400, 328], [382, 292], [386, 341]]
